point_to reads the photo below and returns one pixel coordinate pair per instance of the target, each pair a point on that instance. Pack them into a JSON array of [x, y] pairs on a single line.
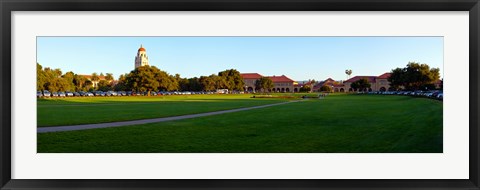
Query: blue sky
[[300, 58]]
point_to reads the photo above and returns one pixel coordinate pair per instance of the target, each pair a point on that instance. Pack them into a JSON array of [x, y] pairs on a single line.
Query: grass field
[[72, 111], [336, 124]]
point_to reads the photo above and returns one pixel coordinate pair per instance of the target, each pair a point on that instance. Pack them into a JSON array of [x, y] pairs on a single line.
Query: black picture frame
[[7, 6]]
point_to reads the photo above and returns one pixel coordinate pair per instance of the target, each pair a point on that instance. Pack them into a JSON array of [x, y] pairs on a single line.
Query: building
[[280, 83], [327, 82], [94, 83], [249, 80], [141, 59], [378, 83]]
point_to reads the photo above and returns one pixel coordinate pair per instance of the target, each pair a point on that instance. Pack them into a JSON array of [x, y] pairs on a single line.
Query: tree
[[305, 88], [396, 79], [348, 72], [121, 84], [184, 84], [148, 78], [109, 77], [104, 85], [231, 80], [208, 83], [79, 82], [326, 88], [41, 78], [414, 76], [361, 85], [264, 83], [94, 78], [144, 79], [68, 81]]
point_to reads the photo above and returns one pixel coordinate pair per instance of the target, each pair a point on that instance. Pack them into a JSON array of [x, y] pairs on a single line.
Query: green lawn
[[336, 124], [85, 110]]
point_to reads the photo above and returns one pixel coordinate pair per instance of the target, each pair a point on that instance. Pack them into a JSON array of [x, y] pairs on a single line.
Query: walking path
[[145, 121]]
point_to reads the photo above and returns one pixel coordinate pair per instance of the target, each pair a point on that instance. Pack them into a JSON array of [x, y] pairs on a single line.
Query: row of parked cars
[[435, 94], [47, 94]]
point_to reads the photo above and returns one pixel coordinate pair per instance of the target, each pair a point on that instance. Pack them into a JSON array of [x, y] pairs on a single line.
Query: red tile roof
[[370, 79], [384, 76], [329, 79], [250, 75], [282, 78]]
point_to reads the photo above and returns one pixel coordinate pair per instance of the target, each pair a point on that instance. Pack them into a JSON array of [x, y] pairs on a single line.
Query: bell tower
[[141, 59]]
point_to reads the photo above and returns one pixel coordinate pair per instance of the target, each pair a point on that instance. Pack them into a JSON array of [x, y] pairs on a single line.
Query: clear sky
[[300, 58]]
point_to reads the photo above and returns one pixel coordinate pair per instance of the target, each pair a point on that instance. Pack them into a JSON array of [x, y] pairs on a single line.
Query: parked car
[[39, 94], [89, 94], [112, 93], [99, 93], [440, 96], [76, 94], [55, 94], [68, 94], [61, 94], [46, 93]]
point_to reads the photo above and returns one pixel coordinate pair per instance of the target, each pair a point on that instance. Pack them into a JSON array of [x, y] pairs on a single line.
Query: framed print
[[239, 94]]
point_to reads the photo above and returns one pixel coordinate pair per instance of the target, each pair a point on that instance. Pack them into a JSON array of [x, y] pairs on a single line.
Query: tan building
[[280, 83], [378, 83], [94, 83], [249, 80]]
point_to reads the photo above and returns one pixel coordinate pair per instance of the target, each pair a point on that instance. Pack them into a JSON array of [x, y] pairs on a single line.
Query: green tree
[[109, 77], [326, 88], [264, 84], [361, 85], [144, 79], [231, 80], [208, 83], [305, 88], [414, 76], [104, 85], [396, 79], [184, 84], [41, 78], [94, 78], [79, 82], [194, 84], [68, 81], [121, 83]]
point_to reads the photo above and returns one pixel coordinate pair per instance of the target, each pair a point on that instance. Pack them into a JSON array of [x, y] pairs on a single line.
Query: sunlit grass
[[87, 110], [336, 124]]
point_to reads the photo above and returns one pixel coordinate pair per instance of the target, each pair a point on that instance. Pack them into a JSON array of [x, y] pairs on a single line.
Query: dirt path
[[145, 121]]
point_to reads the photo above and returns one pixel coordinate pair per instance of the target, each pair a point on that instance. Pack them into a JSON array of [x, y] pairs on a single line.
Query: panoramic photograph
[[239, 94]]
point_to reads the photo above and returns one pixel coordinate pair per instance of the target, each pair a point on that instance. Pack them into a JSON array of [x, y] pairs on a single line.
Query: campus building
[[94, 83], [280, 83], [377, 83], [141, 59]]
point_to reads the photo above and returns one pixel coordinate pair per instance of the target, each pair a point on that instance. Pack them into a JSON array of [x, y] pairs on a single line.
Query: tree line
[[414, 76], [142, 79]]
